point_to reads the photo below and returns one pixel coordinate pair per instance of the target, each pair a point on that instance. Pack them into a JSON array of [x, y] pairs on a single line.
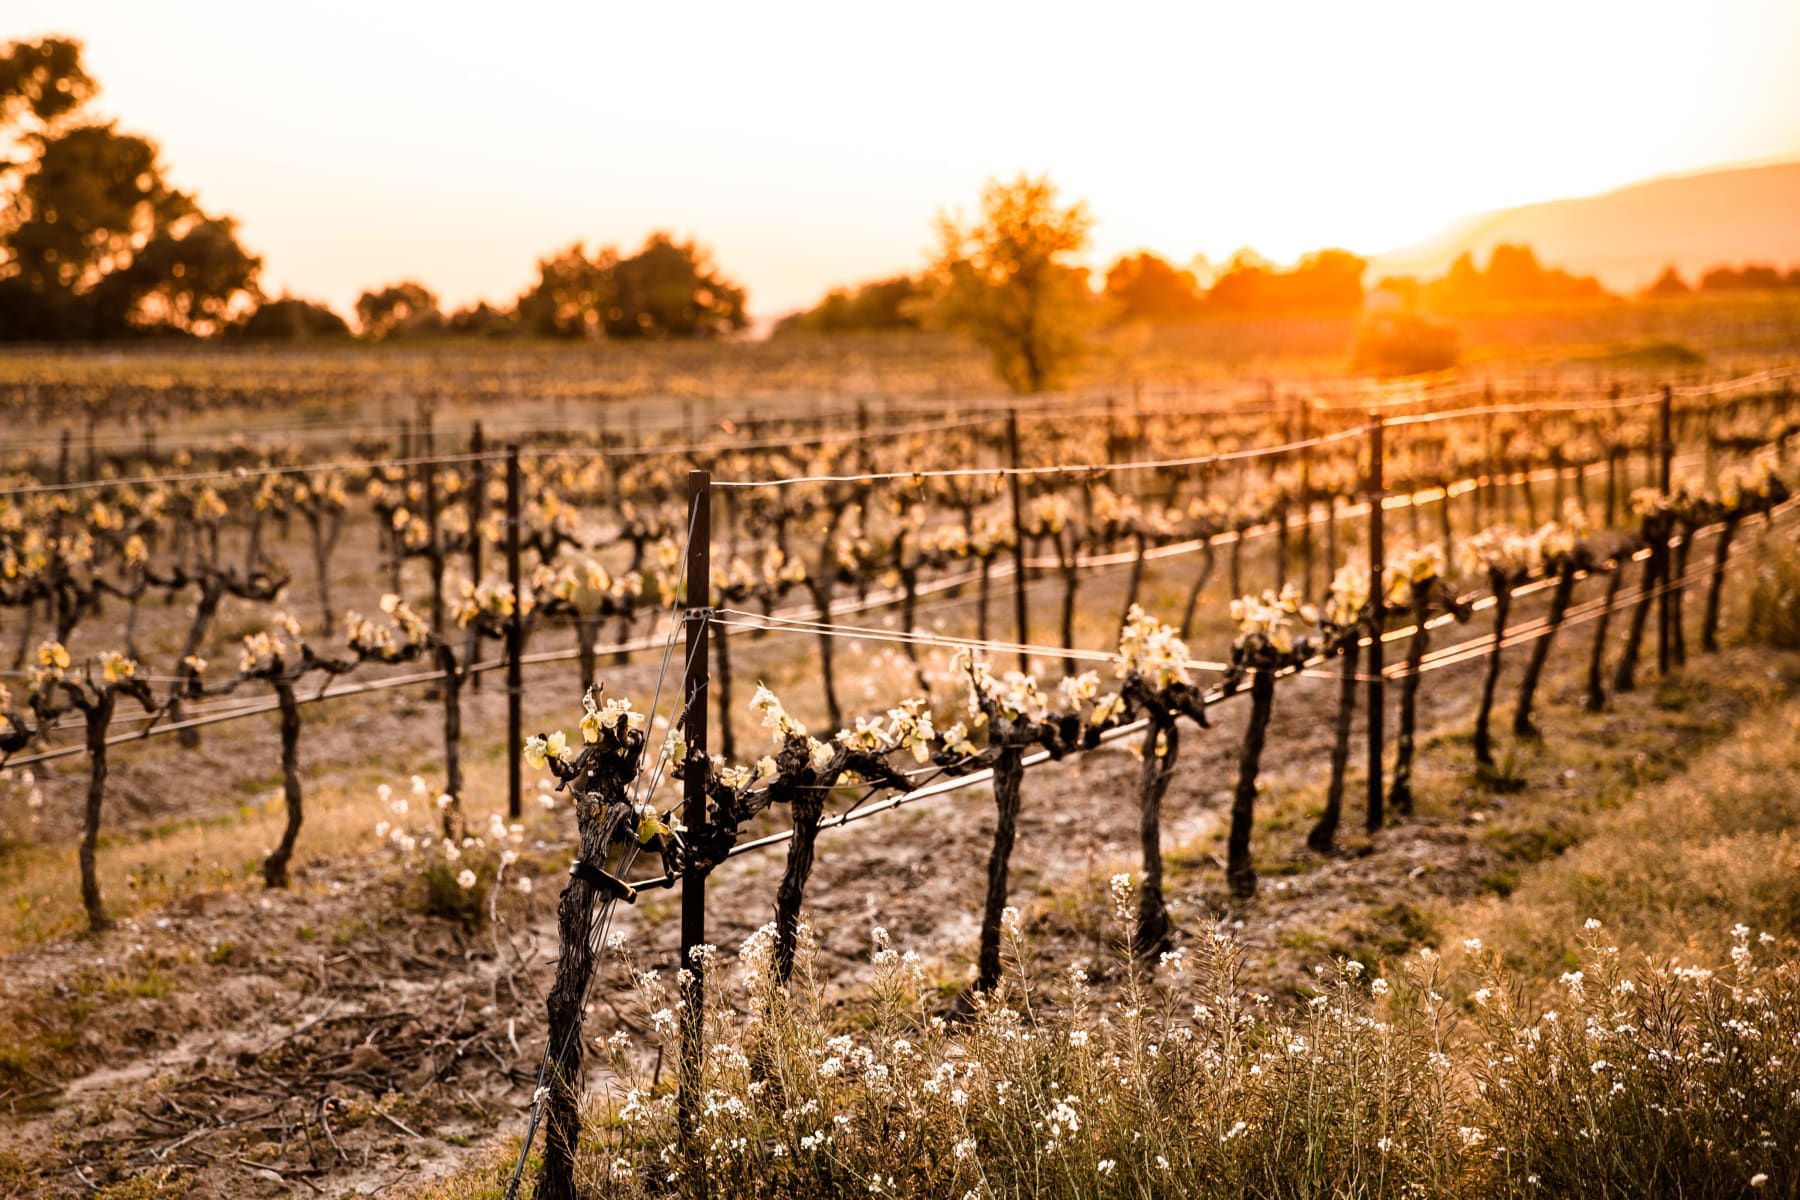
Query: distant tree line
[[1137, 287], [1513, 278], [95, 244], [1752, 277]]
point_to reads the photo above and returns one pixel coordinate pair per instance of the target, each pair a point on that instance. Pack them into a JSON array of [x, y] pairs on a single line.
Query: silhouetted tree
[[1323, 283], [1514, 276], [1751, 278], [1147, 288], [571, 294], [875, 307], [668, 289], [1669, 283], [671, 289], [1006, 281], [406, 309], [40, 83], [483, 320], [94, 243], [290, 319]]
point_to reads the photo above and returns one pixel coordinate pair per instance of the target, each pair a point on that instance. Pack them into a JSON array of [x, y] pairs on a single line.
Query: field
[[1109, 830]]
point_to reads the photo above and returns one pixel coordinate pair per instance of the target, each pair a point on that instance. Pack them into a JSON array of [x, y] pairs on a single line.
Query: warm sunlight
[[810, 144], [797, 600]]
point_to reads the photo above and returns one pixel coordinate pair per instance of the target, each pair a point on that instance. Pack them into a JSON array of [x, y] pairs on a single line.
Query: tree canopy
[[1007, 281], [668, 289], [885, 304], [405, 309], [94, 241], [290, 319], [1144, 287]]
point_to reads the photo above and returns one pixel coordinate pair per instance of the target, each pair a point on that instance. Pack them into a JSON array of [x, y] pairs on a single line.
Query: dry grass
[[1672, 866], [1192, 1085]]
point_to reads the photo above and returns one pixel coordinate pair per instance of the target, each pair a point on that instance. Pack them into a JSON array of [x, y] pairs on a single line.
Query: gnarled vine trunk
[[97, 719], [1400, 793], [1595, 701], [808, 805], [1153, 914], [1324, 833], [1484, 747], [596, 821], [1677, 637], [1009, 774], [1625, 673], [1199, 585], [275, 867], [1240, 872], [1709, 624], [1540, 653]]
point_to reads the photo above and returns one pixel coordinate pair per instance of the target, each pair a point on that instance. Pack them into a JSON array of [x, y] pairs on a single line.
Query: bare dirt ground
[[333, 1040]]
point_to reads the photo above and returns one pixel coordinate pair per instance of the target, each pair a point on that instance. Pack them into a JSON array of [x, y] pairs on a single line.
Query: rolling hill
[[1627, 236]]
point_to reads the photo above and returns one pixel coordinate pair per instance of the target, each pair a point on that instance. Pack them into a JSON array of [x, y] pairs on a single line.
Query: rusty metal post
[[1665, 465], [695, 602], [515, 638], [1377, 488], [1018, 521], [477, 503]]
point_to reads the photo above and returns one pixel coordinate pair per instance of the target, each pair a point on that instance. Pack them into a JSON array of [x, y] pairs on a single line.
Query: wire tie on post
[[611, 886]]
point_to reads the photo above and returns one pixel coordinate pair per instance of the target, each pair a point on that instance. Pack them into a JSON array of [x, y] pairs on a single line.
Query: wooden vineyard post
[[693, 812], [515, 638], [1377, 488], [1665, 452], [1018, 522]]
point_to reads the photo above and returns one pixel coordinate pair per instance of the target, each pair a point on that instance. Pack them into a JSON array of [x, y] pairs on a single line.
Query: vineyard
[[385, 740]]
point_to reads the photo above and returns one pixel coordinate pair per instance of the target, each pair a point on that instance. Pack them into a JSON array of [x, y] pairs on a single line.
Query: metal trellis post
[[1665, 463], [695, 603], [1018, 521], [1377, 619], [515, 638]]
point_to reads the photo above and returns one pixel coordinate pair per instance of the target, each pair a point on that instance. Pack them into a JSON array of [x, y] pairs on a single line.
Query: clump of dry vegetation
[[1631, 1079]]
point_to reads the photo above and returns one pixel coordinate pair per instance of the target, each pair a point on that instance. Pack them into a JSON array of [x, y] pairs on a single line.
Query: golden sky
[[810, 144]]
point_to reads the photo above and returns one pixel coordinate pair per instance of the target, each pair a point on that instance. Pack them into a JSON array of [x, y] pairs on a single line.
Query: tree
[[885, 304], [483, 320], [668, 289], [191, 276], [1323, 283], [1669, 283], [94, 242], [1147, 288], [671, 289], [290, 319], [405, 309], [40, 83], [571, 294], [1514, 276], [1007, 282]]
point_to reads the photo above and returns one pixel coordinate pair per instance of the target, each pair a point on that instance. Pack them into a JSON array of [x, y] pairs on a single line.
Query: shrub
[[1404, 344]]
